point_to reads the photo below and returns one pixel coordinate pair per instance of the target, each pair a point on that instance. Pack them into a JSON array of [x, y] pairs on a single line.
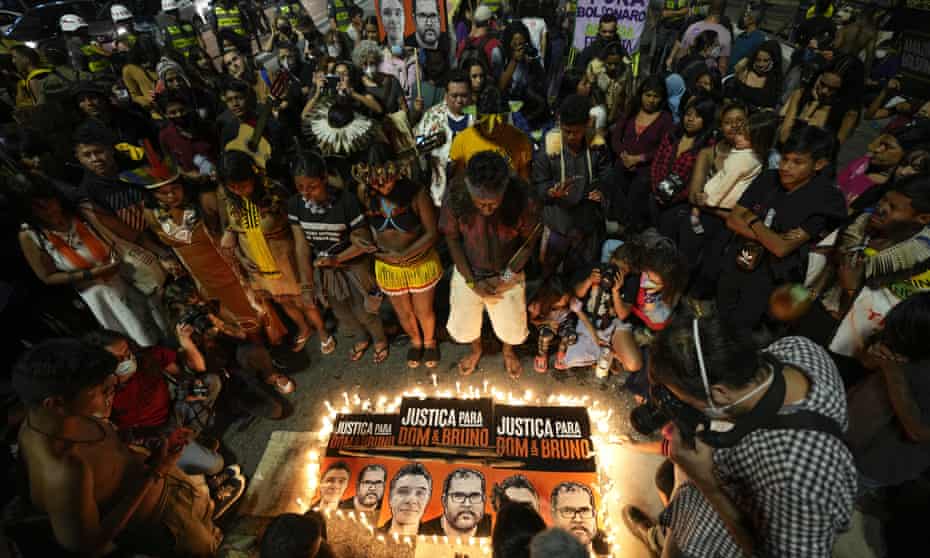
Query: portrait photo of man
[[333, 485], [408, 496], [573, 509], [369, 490], [393, 21], [463, 502], [428, 22], [515, 488]]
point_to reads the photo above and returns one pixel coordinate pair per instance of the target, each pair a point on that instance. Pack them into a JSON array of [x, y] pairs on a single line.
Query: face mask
[[646, 283], [714, 412], [371, 70], [881, 53], [333, 50], [126, 367], [284, 29], [397, 50], [764, 69]]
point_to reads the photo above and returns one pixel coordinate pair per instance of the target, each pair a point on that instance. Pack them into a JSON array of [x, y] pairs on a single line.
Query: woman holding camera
[[523, 76], [345, 82], [673, 165]]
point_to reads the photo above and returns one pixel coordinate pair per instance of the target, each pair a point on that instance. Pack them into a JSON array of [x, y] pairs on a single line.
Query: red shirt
[[667, 161], [183, 149], [144, 401]]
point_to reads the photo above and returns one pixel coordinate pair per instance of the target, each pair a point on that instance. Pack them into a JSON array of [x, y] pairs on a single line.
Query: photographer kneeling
[[221, 348], [780, 482]]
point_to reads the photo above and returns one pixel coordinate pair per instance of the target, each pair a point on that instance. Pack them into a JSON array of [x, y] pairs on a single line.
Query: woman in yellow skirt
[[407, 268]]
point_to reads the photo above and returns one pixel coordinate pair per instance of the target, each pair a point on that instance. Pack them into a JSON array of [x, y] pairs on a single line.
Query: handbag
[[141, 268]]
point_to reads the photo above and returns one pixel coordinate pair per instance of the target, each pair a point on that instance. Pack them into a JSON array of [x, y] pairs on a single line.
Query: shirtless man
[[94, 489]]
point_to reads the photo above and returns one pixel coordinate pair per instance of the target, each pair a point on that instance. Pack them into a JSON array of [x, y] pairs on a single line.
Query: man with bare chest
[[96, 491]]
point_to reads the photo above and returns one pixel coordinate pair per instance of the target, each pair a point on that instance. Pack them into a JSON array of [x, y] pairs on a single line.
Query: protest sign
[[631, 20]]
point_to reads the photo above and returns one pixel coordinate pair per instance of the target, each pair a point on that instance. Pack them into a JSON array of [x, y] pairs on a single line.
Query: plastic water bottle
[[603, 362], [696, 225]]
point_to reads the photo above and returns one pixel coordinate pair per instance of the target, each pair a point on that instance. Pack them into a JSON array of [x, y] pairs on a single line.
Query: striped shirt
[[327, 225], [117, 197]]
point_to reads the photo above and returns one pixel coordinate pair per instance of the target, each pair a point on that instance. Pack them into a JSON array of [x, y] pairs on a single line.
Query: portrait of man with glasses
[[463, 503], [369, 490], [573, 509], [428, 24]]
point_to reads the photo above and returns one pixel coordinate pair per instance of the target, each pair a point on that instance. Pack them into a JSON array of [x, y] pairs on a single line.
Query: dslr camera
[[198, 317], [663, 407], [670, 187], [531, 52]]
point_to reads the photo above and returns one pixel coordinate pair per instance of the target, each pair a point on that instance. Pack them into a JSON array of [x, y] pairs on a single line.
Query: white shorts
[[466, 311]]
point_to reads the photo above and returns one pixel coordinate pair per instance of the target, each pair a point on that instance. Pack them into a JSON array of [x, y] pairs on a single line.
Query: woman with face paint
[[758, 81], [404, 225]]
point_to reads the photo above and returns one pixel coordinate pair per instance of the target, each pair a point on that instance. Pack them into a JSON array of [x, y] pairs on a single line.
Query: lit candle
[[435, 383]]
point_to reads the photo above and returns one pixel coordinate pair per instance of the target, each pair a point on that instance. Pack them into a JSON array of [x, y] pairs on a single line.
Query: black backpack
[[476, 51]]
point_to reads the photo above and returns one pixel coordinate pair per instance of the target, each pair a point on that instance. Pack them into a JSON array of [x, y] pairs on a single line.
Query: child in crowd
[[550, 313]]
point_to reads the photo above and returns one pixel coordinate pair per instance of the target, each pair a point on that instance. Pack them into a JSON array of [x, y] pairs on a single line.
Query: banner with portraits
[[415, 23], [439, 470]]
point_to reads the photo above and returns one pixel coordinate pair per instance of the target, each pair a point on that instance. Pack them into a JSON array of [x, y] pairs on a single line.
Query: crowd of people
[[687, 233]]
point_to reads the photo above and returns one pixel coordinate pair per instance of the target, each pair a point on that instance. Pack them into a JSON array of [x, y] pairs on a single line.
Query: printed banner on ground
[[439, 471], [631, 20]]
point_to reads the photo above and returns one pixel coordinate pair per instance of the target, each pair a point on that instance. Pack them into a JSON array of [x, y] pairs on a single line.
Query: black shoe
[[639, 523]]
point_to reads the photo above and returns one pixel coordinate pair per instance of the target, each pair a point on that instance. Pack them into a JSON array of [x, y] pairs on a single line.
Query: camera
[[608, 276], [332, 84], [669, 187], [531, 52], [663, 407], [198, 317]]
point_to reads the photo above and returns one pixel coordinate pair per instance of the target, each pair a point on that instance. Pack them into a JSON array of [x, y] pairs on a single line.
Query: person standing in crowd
[[291, 11], [492, 133], [830, 101], [606, 37], [240, 67], [231, 27], [521, 72], [256, 237], [407, 266], [187, 138], [28, 64], [139, 74], [490, 225], [569, 175], [449, 120], [385, 88], [481, 44], [719, 58], [758, 81], [130, 129], [62, 248], [478, 76], [748, 41], [94, 488], [635, 137], [333, 268], [176, 34], [776, 222], [355, 29], [797, 486], [87, 57], [672, 17]]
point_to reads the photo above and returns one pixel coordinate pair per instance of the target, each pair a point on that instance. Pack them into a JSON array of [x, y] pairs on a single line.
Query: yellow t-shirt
[[510, 142]]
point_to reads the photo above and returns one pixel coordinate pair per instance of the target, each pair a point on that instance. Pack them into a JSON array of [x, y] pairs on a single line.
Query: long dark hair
[[514, 28], [652, 83], [775, 78], [24, 189], [851, 72], [706, 108], [906, 327]]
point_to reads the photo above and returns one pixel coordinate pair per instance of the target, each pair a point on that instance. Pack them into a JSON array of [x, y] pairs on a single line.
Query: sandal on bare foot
[[327, 347], [560, 361], [358, 350], [513, 366], [431, 356], [414, 356], [541, 364], [381, 353], [468, 364], [281, 383], [300, 341]]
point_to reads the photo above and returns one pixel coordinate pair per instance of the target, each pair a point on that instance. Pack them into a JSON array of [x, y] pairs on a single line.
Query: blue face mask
[[397, 50]]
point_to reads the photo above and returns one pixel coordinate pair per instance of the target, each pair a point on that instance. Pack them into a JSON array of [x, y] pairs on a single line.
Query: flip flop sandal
[[327, 347], [513, 366], [414, 356], [281, 383], [382, 354], [227, 495], [431, 356], [541, 364], [358, 351], [560, 361], [300, 342]]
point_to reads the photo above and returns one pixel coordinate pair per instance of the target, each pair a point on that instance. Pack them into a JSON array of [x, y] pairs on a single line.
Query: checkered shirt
[[795, 487]]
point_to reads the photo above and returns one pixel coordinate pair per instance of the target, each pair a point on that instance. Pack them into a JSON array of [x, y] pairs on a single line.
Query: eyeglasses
[[428, 17], [371, 483], [571, 513], [460, 497]]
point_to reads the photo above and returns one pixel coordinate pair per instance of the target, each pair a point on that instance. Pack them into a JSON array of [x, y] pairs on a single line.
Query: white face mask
[[881, 53], [126, 367], [714, 412], [371, 70], [333, 50]]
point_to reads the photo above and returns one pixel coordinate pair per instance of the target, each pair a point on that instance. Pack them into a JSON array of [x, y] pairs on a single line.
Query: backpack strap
[[808, 420]]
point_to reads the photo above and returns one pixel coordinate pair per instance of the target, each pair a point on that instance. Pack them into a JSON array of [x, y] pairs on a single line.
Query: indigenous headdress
[[338, 130], [158, 173], [380, 167]]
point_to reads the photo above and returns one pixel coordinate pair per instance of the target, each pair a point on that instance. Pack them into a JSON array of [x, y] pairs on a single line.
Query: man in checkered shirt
[[776, 492]]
